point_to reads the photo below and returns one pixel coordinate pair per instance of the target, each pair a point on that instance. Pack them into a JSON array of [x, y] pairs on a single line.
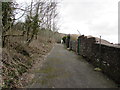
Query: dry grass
[[74, 36], [18, 59]]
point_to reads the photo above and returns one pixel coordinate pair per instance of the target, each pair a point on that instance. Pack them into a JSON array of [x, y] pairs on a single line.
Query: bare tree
[[41, 15]]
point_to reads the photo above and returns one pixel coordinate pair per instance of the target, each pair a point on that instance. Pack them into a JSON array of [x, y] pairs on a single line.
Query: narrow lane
[[65, 69]]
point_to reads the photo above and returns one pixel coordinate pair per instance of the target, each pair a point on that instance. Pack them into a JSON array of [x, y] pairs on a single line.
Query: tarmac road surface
[[65, 69]]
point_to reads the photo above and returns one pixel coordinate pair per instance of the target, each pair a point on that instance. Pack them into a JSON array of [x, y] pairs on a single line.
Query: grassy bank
[[18, 59]]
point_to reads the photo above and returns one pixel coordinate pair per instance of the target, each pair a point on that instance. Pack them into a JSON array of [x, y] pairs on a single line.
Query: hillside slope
[[18, 59]]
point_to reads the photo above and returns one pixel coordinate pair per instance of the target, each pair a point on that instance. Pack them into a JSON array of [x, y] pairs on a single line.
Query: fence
[[103, 56]]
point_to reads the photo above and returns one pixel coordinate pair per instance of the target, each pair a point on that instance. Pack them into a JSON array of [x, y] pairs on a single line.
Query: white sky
[[90, 17]]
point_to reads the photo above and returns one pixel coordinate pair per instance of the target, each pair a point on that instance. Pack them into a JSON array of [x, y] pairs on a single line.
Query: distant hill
[[74, 36], [105, 42], [98, 40]]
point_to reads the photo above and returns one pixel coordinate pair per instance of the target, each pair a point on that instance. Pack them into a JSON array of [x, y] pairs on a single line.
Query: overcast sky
[[90, 17]]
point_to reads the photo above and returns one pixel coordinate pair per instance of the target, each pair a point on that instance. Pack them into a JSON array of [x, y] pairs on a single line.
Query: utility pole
[[100, 46], [100, 51]]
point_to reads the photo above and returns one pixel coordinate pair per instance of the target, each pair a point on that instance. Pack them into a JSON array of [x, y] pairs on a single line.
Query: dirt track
[[65, 69]]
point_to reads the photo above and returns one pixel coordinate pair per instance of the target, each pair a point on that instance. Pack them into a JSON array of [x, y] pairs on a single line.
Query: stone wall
[[103, 56], [73, 46]]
